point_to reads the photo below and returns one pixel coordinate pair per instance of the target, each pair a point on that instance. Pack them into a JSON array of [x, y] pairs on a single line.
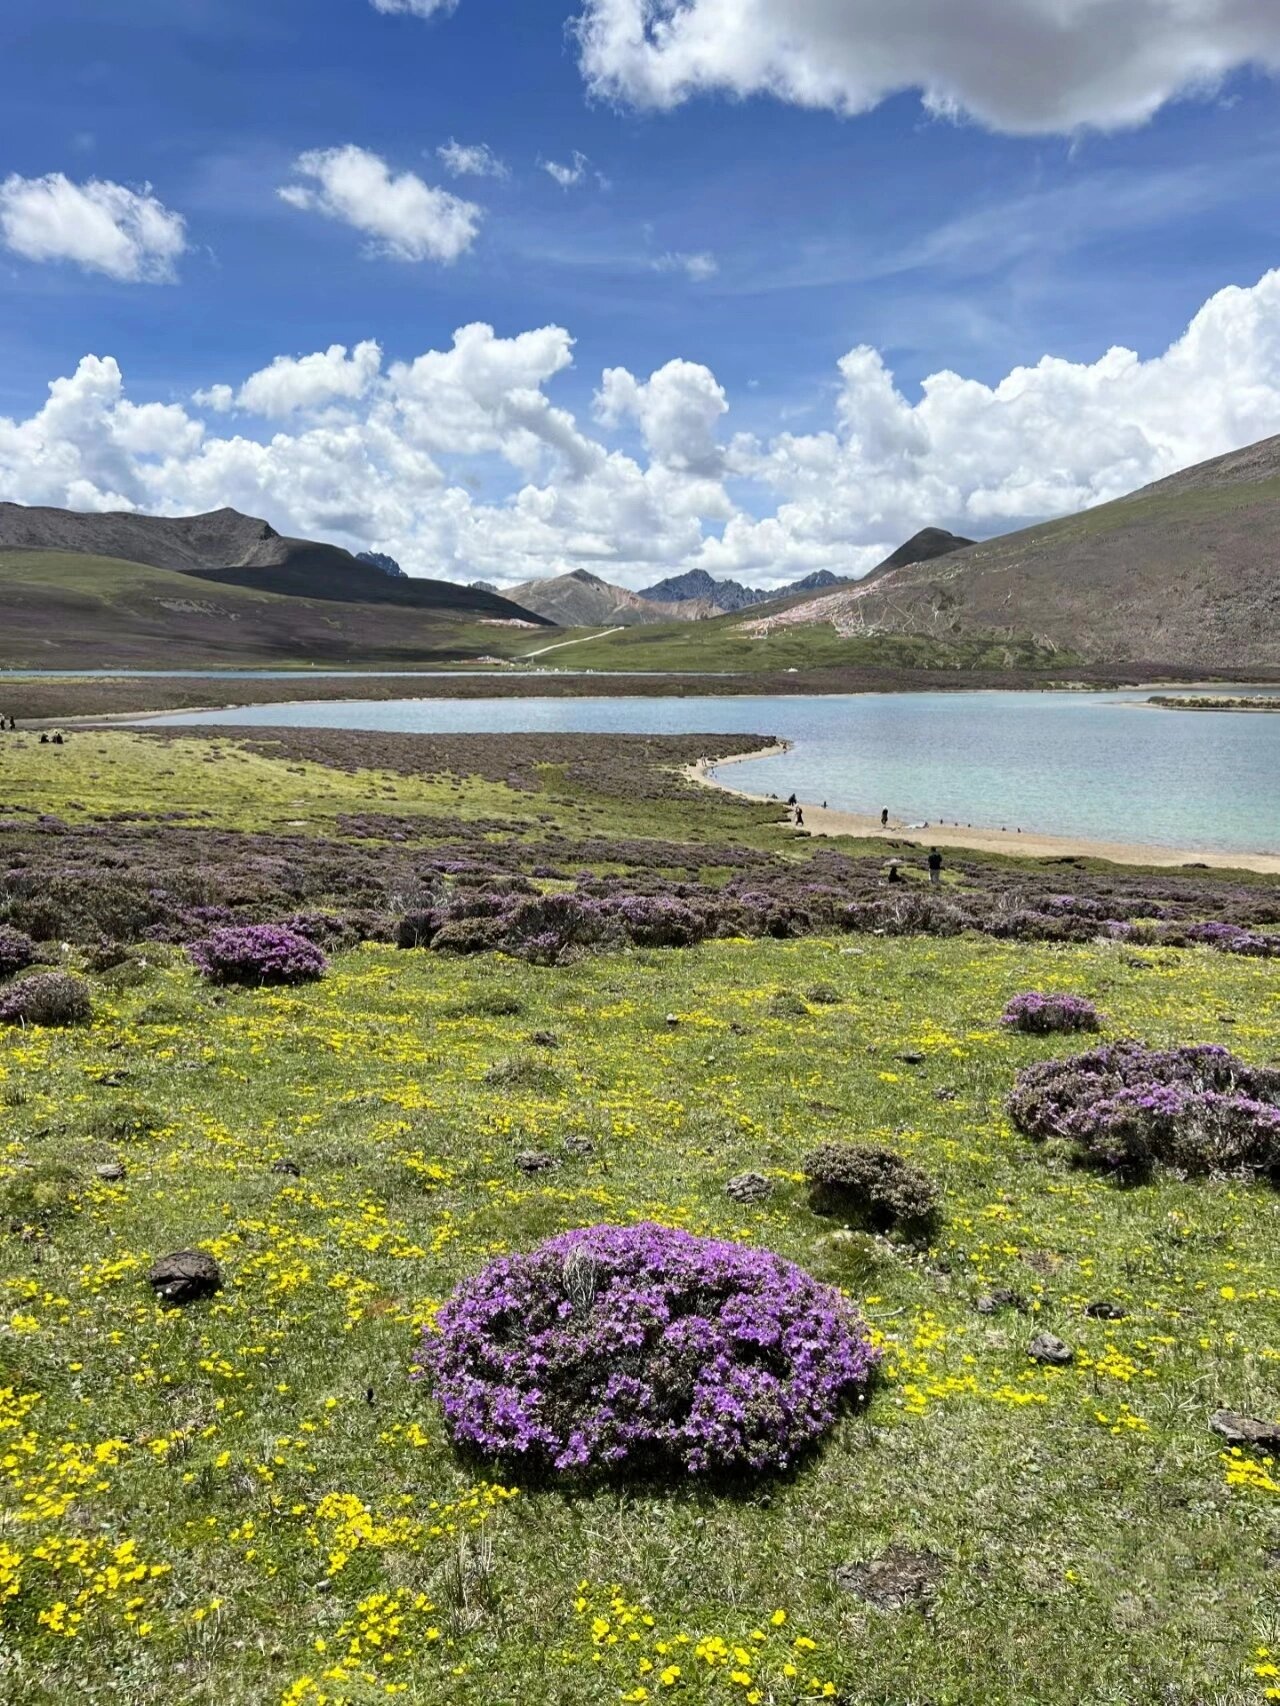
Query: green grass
[[721, 644], [267, 1453]]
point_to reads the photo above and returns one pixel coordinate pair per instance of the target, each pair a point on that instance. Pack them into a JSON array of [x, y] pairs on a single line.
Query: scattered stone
[[1102, 1311], [579, 1146], [673, 1018], [910, 1057], [749, 1188], [185, 1276], [534, 1161], [739, 1029], [897, 1580], [1002, 1298], [545, 1039], [284, 1165], [110, 1170], [1245, 1430], [1046, 1348]]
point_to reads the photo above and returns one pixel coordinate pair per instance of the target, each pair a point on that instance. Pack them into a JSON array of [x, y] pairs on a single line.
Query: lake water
[[1099, 765]]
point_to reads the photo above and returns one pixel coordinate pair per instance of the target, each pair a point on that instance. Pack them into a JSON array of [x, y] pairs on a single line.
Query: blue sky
[[944, 242]]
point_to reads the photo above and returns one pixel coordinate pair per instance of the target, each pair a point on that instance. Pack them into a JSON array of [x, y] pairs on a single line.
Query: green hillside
[[68, 610], [722, 643]]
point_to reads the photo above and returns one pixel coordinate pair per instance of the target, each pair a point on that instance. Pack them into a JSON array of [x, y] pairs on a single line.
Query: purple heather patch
[[257, 954], [648, 1349]]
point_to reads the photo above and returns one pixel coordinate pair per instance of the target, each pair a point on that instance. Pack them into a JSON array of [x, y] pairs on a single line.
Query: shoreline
[[824, 821]]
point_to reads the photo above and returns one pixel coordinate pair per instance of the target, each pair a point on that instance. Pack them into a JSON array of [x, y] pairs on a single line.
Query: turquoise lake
[[1100, 765]]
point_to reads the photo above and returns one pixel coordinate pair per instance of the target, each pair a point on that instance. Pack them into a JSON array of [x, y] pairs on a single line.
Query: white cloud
[[1024, 66], [415, 8], [405, 218], [700, 267], [220, 398], [460, 461], [472, 160], [308, 381], [678, 410], [567, 176], [101, 226]]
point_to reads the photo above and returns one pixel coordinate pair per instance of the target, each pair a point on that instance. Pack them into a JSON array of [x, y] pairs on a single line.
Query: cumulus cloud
[[471, 160], [461, 462], [100, 226], [404, 218], [291, 383], [1025, 66], [699, 267], [567, 176]]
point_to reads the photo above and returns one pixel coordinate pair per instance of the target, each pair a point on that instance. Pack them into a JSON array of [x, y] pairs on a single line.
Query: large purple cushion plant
[[644, 1349], [1125, 1107], [257, 954]]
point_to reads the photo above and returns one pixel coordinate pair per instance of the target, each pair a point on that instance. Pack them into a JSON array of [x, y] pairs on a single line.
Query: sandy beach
[[899, 838]]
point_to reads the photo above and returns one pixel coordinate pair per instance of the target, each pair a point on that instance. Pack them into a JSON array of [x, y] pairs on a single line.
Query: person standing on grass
[[935, 865]]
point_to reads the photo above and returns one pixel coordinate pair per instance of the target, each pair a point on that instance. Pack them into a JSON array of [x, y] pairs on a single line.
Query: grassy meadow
[[248, 1501]]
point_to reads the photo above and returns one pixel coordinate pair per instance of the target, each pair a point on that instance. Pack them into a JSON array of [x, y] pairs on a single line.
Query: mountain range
[[1185, 572]]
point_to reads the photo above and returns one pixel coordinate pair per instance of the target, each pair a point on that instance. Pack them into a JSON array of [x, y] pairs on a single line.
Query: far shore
[[902, 842]]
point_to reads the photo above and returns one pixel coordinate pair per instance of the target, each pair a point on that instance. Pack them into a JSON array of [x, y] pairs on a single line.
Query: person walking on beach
[[884, 818], [935, 865], [799, 818]]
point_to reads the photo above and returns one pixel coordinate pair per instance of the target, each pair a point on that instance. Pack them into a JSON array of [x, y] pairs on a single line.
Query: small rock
[[545, 1039], [110, 1170], [1245, 1430], [284, 1165], [1102, 1311], [1046, 1348], [1227, 1019], [673, 1018], [749, 1188], [533, 1161], [945, 1093], [739, 1029], [1002, 1298], [896, 1580], [910, 1057], [579, 1146], [185, 1276]]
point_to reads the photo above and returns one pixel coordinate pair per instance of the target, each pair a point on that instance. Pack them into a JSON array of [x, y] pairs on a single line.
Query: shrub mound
[[46, 998], [1128, 1106], [647, 1350], [257, 954], [1039, 1014], [17, 951], [871, 1187]]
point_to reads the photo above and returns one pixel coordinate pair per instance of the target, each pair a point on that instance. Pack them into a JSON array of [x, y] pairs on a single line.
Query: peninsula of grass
[[245, 1499]]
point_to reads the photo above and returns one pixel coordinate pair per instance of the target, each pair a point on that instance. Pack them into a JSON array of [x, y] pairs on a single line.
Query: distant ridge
[[696, 586], [231, 549]]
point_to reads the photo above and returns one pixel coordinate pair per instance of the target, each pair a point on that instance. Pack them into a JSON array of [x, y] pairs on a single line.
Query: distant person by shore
[[884, 818], [799, 817], [935, 865]]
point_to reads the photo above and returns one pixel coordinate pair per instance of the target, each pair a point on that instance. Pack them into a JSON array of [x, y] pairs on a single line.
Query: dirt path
[[542, 652]]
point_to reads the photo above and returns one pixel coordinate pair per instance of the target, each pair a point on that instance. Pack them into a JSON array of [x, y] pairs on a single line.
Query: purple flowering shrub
[[646, 1350], [17, 951], [1127, 1107], [257, 954], [1040, 1014], [45, 998]]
